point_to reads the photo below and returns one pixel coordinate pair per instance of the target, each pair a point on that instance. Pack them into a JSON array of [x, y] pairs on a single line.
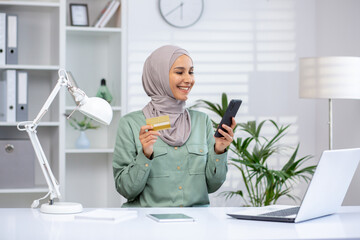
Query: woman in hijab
[[175, 167]]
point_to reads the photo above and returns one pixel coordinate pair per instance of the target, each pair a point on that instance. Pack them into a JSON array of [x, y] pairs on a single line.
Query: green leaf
[[82, 125], [289, 164], [257, 131], [224, 101], [212, 107]]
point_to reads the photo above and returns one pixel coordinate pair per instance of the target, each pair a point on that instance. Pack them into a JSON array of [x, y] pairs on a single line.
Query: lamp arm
[[54, 188], [61, 82]]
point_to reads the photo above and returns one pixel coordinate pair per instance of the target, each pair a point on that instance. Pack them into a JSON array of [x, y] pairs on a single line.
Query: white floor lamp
[[95, 108], [330, 78]]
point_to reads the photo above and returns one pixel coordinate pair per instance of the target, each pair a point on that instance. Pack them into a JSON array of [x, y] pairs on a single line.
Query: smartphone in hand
[[231, 111]]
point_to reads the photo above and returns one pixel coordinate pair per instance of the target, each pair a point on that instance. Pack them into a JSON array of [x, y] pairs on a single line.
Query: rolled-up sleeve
[[216, 166], [131, 168]]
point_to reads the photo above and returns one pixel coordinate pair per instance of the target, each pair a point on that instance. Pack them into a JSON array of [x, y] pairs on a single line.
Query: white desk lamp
[[330, 78], [94, 107]]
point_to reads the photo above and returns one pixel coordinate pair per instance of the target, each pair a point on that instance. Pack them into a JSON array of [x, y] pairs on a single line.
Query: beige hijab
[[156, 84]]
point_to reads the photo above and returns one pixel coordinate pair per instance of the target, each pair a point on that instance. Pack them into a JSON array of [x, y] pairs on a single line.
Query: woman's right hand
[[147, 139]]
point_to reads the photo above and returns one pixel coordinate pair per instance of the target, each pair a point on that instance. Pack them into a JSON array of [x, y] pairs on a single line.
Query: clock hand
[[180, 5], [181, 10]]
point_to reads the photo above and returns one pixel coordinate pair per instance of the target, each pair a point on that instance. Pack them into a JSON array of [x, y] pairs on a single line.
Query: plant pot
[[82, 141]]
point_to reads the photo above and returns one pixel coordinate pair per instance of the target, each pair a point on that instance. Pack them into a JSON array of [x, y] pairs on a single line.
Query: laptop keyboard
[[283, 212]]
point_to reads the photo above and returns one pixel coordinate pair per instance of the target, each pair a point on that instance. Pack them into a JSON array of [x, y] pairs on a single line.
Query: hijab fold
[[156, 83]]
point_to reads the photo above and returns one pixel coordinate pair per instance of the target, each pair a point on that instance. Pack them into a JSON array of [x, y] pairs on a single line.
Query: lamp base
[[61, 208]]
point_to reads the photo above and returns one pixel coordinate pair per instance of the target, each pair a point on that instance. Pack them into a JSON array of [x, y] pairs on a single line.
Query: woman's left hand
[[221, 143]]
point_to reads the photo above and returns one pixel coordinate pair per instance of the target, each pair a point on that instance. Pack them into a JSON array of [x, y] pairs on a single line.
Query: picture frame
[[79, 15]]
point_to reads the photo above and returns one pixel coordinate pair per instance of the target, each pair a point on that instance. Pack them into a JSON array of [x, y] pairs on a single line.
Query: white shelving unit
[[39, 55], [47, 42]]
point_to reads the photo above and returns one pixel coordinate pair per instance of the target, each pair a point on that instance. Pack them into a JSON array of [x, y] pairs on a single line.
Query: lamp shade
[[330, 77], [97, 108]]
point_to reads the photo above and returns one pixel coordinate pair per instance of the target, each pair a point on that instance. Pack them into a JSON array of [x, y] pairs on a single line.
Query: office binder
[[2, 38], [11, 39], [3, 101], [22, 96], [10, 78]]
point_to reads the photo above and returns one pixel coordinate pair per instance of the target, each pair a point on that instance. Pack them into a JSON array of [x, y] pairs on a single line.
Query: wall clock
[[181, 13]]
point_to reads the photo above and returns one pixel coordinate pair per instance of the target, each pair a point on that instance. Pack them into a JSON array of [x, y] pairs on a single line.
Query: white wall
[[249, 49], [338, 34]]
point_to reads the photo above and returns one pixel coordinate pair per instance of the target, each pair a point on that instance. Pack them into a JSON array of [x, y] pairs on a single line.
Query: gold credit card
[[159, 123]]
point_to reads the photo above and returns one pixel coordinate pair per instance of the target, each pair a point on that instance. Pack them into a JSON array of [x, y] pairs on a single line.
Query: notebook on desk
[[324, 195]]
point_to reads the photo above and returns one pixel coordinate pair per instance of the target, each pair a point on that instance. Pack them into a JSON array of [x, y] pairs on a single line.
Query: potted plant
[[263, 185], [82, 126]]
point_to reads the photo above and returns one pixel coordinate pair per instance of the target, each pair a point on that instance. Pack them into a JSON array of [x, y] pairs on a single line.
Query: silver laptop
[[324, 195]]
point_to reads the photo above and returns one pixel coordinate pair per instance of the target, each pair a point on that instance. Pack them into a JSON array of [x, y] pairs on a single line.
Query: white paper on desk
[[107, 215]]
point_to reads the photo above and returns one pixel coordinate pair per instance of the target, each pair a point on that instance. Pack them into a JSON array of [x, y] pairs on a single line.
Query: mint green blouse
[[176, 176]]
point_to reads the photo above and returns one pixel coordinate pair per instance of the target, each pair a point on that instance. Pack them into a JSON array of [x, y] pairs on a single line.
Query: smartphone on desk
[[171, 217], [231, 111]]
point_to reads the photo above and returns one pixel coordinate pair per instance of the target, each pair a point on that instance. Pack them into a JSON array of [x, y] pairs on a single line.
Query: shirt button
[[178, 167], [201, 150], [180, 187], [217, 160], [146, 165], [176, 148]]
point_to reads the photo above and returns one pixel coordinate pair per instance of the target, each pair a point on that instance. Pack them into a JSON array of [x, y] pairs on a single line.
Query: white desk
[[211, 223]]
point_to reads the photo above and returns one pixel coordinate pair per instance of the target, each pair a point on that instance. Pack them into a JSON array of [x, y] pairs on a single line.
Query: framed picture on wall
[[79, 14]]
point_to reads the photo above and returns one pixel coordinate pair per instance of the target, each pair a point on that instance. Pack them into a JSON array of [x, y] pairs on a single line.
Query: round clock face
[[181, 13]]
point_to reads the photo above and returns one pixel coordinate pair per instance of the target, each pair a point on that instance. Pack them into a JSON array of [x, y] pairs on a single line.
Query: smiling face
[[181, 77]]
